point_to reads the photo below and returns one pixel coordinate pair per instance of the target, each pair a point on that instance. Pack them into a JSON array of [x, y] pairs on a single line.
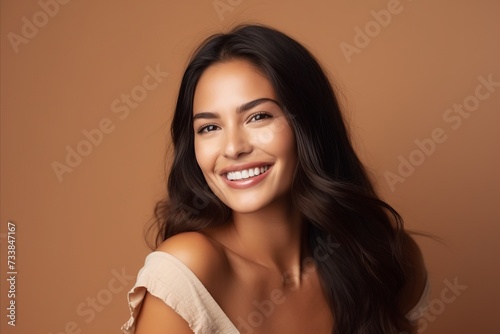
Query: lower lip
[[247, 183]]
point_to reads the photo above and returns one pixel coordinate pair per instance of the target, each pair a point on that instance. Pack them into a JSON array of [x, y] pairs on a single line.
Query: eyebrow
[[244, 107]]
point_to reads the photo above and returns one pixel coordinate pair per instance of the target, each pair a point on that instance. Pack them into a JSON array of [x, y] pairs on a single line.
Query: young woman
[[271, 224]]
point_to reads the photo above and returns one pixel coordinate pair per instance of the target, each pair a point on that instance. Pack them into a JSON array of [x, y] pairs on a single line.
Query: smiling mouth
[[246, 173]]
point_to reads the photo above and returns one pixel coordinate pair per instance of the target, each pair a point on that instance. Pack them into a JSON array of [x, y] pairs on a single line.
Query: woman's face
[[243, 142]]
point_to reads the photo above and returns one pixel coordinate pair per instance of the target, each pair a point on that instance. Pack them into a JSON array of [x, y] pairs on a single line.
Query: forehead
[[229, 84]]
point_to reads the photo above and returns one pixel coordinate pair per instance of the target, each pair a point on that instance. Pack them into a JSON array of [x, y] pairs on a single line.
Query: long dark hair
[[363, 277]]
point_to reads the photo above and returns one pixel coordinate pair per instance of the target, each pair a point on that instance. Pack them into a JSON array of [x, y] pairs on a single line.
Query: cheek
[[274, 134], [283, 140], [205, 153]]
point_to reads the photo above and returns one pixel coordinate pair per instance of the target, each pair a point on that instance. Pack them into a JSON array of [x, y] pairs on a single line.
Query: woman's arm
[[155, 317], [201, 256]]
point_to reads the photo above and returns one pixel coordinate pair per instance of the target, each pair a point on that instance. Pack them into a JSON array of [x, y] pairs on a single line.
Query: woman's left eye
[[260, 116]]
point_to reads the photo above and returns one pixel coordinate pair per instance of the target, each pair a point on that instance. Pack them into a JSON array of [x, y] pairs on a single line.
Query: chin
[[245, 207]]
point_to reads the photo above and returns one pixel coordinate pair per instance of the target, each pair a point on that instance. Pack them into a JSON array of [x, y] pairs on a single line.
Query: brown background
[[74, 235]]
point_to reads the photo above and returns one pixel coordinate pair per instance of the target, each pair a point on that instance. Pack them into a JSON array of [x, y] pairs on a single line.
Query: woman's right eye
[[207, 128]]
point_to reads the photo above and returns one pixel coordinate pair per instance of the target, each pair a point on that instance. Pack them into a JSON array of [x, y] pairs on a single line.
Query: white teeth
[[246, 173]]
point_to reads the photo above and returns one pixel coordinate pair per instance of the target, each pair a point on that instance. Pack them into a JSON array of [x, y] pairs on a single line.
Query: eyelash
[[202, 128], [261, 113]]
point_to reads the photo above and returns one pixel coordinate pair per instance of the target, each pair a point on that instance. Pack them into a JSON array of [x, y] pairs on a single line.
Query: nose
[[236, 143]]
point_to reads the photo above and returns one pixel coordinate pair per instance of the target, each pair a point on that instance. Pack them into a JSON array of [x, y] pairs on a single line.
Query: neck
[[271, 237]]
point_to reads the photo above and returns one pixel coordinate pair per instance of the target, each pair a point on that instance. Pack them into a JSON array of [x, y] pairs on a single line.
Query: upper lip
[[247, 165]]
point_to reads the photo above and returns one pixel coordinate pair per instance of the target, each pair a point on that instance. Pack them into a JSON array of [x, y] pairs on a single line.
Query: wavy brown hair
[[363, 278]]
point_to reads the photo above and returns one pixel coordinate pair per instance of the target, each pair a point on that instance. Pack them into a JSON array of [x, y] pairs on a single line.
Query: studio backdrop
[[87, 96]]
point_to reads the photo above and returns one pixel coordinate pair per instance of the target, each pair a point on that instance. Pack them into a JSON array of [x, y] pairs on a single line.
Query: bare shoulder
[[415, 271], [206, 259], [201, 254]]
